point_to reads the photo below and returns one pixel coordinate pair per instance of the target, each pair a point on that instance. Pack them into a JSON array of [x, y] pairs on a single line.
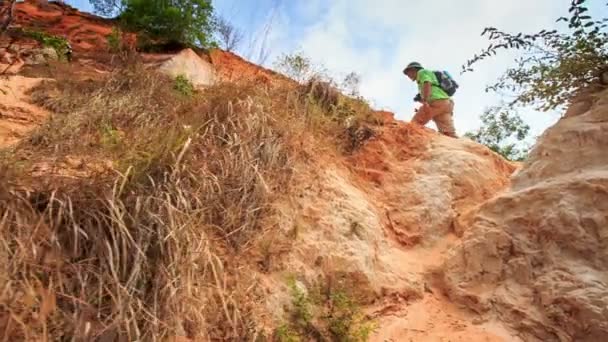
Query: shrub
[[556, 65], [334, 315], [188, 22], [115, 43], [350, 84], [502, 131], [183, 86], [345, 321], [297, 66], [59, 44]]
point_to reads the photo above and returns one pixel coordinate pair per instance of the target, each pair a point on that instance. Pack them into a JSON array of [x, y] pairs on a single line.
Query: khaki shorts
[[441, 112]]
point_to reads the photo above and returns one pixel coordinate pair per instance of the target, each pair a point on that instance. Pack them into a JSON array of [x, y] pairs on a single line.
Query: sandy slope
[[537, 256], [17, 116], [410, 204]]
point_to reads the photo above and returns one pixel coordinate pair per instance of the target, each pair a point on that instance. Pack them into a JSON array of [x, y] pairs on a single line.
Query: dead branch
[[6, 17]]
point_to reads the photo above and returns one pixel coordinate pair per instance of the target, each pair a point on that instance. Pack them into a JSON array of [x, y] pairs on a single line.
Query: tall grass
[[134, 258], [153, 250]]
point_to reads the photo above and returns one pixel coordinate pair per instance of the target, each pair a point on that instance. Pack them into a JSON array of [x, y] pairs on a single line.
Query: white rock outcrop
[[190, 65], [537, 256]]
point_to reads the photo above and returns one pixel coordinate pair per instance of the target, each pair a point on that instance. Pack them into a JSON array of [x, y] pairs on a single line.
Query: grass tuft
[[153, 250]]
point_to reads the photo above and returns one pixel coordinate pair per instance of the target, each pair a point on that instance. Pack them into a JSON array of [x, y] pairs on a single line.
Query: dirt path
[[17, 117], [434, 317]]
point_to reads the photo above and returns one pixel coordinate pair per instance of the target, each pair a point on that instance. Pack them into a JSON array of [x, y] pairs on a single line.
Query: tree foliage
[[502, 131], [188, 22], [108, 8], [554, 65], [173, 21]]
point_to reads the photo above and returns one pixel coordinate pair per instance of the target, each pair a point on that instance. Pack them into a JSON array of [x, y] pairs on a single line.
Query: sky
[[377, 38]]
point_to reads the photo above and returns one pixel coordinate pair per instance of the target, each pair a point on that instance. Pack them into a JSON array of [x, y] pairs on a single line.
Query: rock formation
[[430, 233], [537, 255]]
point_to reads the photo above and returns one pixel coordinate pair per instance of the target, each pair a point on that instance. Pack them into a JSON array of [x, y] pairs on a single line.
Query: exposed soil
[[413, 219], [17, 116]]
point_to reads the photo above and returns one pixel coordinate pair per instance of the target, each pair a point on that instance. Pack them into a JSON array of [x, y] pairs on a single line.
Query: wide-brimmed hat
[[412, 65]]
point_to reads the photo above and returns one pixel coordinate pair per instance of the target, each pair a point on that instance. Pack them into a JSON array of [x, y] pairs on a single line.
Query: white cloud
[[378, 38]]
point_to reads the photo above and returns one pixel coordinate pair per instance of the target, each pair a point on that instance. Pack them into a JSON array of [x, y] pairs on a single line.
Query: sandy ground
[[17, 116], [434, 317]]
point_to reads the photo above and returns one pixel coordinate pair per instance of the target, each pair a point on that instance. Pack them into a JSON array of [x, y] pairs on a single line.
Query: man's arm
[[426, 92]]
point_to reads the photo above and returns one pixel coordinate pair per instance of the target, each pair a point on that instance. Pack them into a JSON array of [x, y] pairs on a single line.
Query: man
[[436, 103]]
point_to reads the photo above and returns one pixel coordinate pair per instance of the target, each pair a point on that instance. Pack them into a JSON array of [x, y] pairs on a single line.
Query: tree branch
[[7, 16]]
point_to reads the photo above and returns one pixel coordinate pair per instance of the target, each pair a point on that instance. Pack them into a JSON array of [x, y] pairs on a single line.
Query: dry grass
[[144, 254], [135, 259]]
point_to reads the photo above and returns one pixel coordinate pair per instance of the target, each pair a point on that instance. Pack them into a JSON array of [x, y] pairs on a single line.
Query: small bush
[[333, 315], [183, 86], [110, 137], [297, 66], [503, 132], [345, 321], [115, 43], [229, 36], [59, 44], [301, 314], [286, 334]]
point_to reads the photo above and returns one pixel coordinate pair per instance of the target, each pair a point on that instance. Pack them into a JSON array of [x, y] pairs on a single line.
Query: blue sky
[[377, 38]]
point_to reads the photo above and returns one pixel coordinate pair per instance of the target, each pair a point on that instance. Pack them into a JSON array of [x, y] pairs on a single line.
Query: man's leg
[[445, 124], [423, 115], [444, 119]]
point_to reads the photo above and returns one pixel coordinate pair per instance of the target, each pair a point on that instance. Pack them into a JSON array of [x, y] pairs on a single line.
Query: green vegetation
[[59, 44], [108, 8], [502, 131], [176, 21], [164, 22], [183, 86], [326, 103], [555, 66], [325, 314], [345, 321], [110, 137], [115, 43], [150, 190]]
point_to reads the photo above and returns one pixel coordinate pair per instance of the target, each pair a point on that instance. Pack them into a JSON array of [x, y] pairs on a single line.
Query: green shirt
[[428, 76]]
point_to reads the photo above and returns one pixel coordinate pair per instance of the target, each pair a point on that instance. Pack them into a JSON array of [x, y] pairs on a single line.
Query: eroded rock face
[[538, 255], [365, 222]]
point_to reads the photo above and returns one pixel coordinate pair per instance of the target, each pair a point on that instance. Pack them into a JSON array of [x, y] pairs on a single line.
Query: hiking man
[[436, 103]]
